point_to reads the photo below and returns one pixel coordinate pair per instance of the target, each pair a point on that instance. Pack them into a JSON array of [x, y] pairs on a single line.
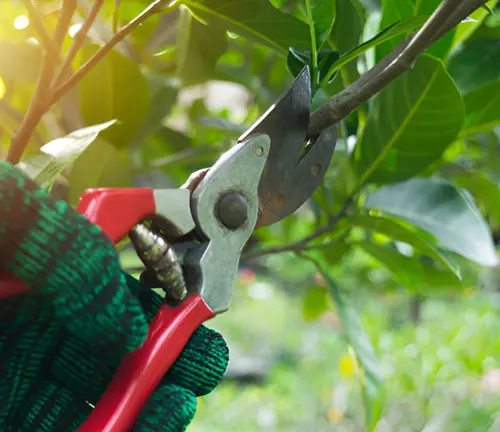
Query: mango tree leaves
[[395, 10], [199, 46], [60, 153], [401, 27], [320, 17], [114, 89], [410, 272], [164, 95], [320, 73], [101, 165], [482, 107], [357, 338], [255, 19], [465, 30], [346, 33], [441, 209], [315, 303], [413, 121], [476, 64], [485, 191], [20, 61], [399, 232]]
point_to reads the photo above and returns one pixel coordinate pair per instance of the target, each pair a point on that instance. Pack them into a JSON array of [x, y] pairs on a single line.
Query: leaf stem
[[314, 48]]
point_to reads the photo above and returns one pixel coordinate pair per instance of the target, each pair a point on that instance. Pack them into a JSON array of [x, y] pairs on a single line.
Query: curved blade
[[293, 170]]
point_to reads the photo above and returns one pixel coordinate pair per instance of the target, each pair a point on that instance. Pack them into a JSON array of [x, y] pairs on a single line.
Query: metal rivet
[[315, 169], [233, 210], [259, 151]]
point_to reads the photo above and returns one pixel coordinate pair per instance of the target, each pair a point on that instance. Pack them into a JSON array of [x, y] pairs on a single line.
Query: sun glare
[[74, 29], [2, 88], [21, 22]]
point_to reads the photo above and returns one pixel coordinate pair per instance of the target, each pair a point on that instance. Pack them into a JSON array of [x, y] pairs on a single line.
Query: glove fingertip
[[203, 362], [171, 408]]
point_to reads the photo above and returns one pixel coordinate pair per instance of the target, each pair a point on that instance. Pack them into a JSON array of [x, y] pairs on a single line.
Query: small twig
[[78, 41], [36, 20], [45, 96], [64, 22], [303, 243], [152, 9], [449, 14]]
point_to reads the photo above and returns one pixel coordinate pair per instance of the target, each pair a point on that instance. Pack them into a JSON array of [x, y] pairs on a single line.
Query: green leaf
[[256, 19], [346, 34], [401, 233], [395, 10], [161, 105], [346, 31], [413, 121], [20, 61], [60, 153], [482, 107], [321, 75], [100, 165], [485, 191], [355, 335], [443, 210], [401, 27], [199, 46], [320, 17], [476, 64], [465, 30], [114, 89], [409, 272], [315, 303]]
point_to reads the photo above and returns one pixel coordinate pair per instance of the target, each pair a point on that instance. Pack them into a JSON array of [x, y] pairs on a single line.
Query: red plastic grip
[[117, 210], [142, 370], [114, 210]]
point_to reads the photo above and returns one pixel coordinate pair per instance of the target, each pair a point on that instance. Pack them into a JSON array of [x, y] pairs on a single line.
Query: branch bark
[[48, 90]]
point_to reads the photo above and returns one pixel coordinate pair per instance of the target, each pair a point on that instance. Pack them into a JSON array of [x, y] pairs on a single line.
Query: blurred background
[[418, 346]]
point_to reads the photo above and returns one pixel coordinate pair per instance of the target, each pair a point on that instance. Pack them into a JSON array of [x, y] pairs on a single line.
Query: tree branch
[[64, 22], [303, 244], [78, 41], [448, 14], [45, 96], [152, 9], [36, 20]]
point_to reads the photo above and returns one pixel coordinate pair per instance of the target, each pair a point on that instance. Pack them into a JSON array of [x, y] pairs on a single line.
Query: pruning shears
[[271, 171]]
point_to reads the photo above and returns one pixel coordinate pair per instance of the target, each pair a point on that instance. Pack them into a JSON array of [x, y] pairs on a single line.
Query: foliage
[[413, 186]]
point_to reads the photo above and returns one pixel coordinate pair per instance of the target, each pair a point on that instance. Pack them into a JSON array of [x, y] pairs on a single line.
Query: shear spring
[[160, 258]]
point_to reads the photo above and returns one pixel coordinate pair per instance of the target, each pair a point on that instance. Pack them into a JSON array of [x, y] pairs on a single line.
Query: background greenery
[[388, 315]]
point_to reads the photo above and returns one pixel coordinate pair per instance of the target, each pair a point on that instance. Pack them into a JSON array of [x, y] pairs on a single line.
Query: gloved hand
[[61, 342]]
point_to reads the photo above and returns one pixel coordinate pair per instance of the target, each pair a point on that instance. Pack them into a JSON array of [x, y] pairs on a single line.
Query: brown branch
[[78, 41], [303, 243], [64, 22], [448, 14], [152, 9], [37, 22], [45, 96]]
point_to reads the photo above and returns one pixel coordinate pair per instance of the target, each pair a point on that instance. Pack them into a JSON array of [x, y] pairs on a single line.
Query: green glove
[[61, 343]]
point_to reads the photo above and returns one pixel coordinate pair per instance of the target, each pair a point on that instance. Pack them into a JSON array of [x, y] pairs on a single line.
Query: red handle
[[114, 210], [142, 370]]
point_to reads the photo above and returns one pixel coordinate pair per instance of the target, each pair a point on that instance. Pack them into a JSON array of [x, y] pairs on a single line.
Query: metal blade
[[293, 170]]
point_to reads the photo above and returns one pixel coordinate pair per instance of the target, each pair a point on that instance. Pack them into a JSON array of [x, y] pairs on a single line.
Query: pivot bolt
[[233, 210]]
